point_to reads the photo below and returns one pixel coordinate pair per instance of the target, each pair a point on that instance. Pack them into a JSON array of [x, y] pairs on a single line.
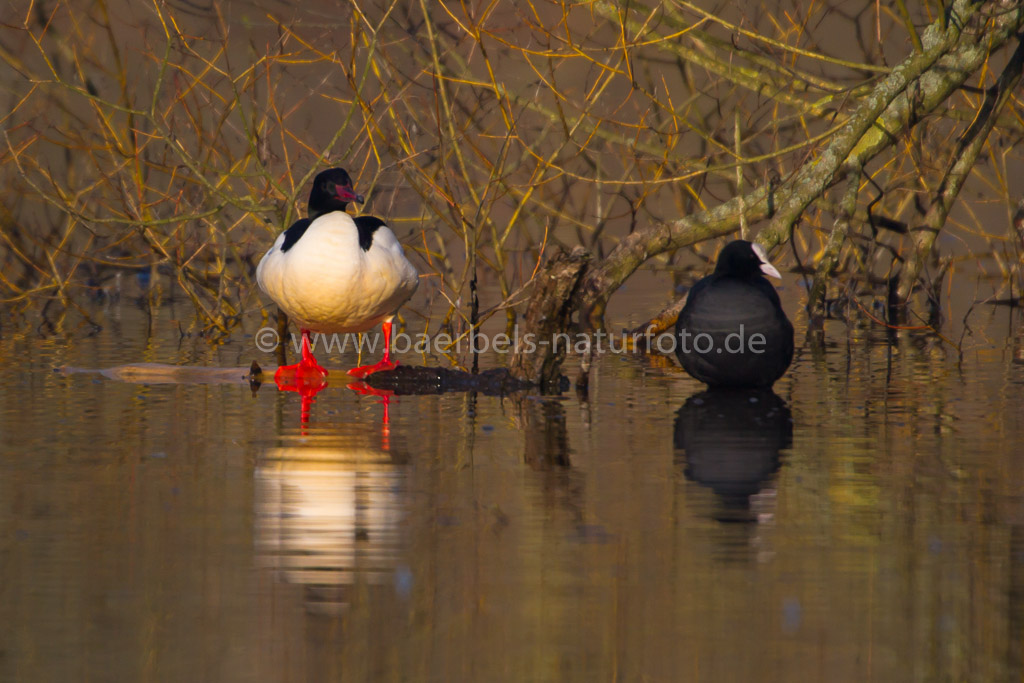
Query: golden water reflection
[[329, 515], [193, 532]]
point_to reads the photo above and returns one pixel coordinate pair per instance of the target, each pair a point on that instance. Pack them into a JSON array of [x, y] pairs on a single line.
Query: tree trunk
[[552, 306]]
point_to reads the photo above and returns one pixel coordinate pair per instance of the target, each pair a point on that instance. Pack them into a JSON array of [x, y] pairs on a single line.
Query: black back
[[367, 225], [292, 234]]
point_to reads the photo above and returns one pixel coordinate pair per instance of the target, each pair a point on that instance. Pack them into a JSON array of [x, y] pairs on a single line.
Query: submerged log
[[415, 380], [403, 380], [160, 373]]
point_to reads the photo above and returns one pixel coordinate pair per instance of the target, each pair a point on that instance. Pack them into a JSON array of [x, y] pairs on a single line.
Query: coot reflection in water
[[729, 440]]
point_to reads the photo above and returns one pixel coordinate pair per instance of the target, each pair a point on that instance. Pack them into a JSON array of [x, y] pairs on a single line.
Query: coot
[[733, 332]]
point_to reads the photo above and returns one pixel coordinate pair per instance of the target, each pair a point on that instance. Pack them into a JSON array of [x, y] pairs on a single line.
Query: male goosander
[[733, 331], [332, 273]]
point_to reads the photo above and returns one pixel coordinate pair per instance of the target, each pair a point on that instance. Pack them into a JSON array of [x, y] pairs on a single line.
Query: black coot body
[[733, 333]]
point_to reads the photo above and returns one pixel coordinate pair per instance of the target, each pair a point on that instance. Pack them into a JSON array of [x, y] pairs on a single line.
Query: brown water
[[191, 532]]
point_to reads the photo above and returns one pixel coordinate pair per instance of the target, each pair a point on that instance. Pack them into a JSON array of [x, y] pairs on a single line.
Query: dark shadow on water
[[729, 441]]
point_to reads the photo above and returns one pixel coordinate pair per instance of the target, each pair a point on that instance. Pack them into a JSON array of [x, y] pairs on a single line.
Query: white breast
[[326, 282]]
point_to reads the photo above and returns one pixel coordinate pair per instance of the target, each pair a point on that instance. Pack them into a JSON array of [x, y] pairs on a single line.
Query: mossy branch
[[913, 89]]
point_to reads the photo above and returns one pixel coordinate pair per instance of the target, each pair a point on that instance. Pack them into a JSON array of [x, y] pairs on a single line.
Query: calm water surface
[[866, 523]]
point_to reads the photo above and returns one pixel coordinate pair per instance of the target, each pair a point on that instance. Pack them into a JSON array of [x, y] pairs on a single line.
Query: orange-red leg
[[306, 371], [385, 363]]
